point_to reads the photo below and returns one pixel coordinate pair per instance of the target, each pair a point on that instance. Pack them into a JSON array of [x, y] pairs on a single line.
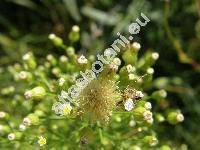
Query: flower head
[[42, 141], [98, 99]]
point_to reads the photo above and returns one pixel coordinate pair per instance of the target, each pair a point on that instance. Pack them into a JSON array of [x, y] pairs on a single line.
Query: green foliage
[[172, 86]]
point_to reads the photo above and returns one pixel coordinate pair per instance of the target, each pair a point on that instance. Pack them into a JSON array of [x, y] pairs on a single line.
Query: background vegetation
[[173, 32]]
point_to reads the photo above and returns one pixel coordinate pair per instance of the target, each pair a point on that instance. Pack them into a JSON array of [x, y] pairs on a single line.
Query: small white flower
[[42, 141], [52, 36], [130, 68], [26, 121], [23, 75], [11, 136], [66, 109], [147, 105], [131, 76], [117, 61], [150, 121], [28, 94], [147, 115], [2, 114], [155, 55], [22, 127], [113, 67], [75, 28], [180, 117], [129, 105], [49, 57], [136, 45], [61, 81], [26, 56], [163, 93], [153, 141], [150, 70], [63, 58], [139, 94], [82, 60]]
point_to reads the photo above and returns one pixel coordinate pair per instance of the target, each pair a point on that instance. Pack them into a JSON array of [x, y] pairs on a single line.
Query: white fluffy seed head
[[155, 55], [11, 136]]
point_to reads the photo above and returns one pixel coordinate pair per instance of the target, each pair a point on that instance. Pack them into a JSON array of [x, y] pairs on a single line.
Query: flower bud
[[175, 117], [51, 59], [25, 75], [130, 54], [29, 61], [22, 127], [151, 140], [74, 35], [148, 60], [36, 93], [159, 95], [57, 41]]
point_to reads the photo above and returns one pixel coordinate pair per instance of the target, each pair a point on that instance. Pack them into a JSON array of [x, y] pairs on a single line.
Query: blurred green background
[[174, 32]]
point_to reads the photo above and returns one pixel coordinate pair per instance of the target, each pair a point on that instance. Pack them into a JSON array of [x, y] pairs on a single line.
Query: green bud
[[29, 61], [52, 59], [57, 41], [130, 54], [7, 90], [160, 117], [138, 113], [148, 60], [36, 93], [74, 35], [150, 140], [4, 129], [159, 95], [25, 75], [175, 117]]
